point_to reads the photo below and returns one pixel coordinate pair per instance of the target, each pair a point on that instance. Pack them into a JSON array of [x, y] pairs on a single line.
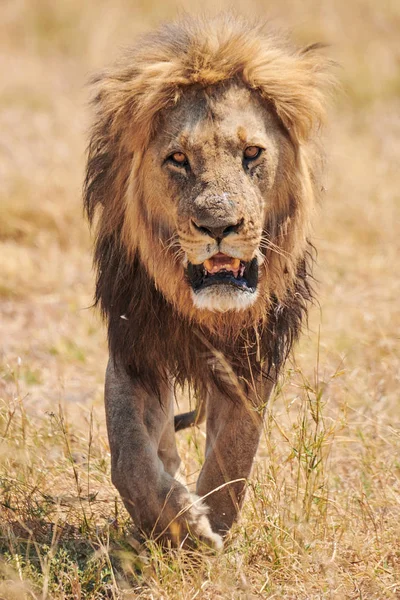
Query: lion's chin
[[222, 298]]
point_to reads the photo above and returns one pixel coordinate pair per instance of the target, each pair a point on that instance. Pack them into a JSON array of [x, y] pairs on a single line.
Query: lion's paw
[[199, 525]]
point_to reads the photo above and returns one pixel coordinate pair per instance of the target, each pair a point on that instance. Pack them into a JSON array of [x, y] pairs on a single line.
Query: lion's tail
[[188, 419]]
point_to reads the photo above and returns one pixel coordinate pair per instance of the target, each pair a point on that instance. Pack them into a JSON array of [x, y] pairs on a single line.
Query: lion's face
[[210, 177]]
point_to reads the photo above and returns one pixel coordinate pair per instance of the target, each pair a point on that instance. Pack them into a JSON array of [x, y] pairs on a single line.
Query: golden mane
[[151, 78], [154, 73]]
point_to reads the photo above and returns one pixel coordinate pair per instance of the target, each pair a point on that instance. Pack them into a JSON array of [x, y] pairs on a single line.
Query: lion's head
[[210, 177], [203, 162]]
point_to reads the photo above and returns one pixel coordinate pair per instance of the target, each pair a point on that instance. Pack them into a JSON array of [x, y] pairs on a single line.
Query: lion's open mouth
[[223, 269]]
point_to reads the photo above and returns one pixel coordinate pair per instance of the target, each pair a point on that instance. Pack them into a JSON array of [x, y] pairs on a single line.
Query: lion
[[203, 172]]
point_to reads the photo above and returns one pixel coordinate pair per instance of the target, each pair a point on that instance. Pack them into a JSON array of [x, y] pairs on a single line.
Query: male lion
[[202, 165]]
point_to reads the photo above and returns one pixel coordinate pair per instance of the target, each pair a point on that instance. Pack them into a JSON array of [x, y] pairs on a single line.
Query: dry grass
[[323, 510]]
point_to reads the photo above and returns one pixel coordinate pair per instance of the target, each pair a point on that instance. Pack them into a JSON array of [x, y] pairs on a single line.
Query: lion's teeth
[[208, 264], [235, 263], [213, 266]]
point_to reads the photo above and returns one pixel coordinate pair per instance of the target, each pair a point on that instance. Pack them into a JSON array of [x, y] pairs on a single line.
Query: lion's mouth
[[226, 270]]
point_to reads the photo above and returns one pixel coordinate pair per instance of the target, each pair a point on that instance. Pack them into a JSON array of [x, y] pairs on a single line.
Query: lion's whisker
[[269, 245]]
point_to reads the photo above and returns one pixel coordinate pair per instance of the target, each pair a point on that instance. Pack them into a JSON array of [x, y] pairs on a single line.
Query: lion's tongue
[[222, 262]]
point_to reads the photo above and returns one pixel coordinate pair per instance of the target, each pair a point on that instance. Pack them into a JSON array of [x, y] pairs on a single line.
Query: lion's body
[[177, 347], [178, 198]]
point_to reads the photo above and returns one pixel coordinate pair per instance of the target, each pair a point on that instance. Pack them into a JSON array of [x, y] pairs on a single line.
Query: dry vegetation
[[323, 510]]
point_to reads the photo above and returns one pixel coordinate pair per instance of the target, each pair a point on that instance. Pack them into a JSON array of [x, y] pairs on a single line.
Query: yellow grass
[[322, 517]]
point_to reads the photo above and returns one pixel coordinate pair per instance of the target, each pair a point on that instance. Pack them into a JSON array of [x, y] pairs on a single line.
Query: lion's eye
[[179, 159], [252, 152]]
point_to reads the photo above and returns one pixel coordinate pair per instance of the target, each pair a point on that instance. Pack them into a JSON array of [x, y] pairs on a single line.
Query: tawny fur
[[130, 101], [156, 331]]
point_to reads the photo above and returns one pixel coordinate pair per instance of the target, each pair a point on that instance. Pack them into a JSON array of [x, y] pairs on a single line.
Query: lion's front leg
[[144, 459], [233, 433]]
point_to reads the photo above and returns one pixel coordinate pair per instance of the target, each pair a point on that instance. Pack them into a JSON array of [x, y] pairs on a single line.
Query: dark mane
[[153, 342], [147, 334]]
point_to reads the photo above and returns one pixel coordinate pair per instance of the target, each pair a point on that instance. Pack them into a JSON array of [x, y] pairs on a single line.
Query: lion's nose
[[217, 231]]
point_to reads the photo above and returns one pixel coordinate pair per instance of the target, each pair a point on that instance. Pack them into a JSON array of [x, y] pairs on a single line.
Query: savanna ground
[[322, 517]]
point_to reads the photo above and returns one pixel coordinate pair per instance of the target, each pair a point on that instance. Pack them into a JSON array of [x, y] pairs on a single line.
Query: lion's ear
[[297, 83], [313, 82]]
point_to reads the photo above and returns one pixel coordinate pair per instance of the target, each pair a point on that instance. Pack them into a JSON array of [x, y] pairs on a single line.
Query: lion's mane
[[148, 334]]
